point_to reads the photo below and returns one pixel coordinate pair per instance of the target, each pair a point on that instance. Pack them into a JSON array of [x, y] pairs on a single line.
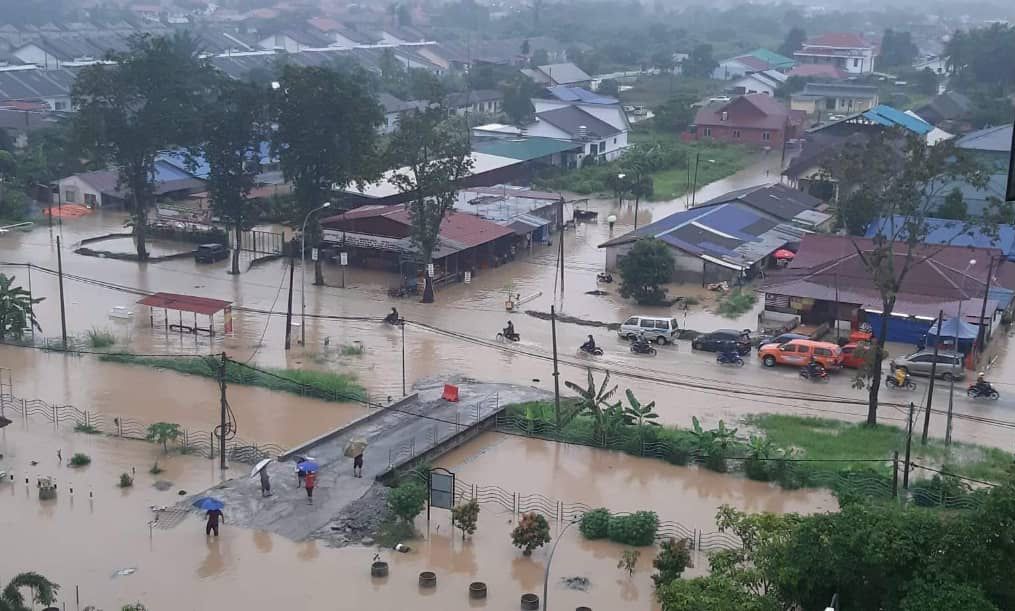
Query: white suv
[[656, 328]]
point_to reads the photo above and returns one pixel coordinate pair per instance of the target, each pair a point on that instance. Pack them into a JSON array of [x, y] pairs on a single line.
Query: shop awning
[[185, 303]]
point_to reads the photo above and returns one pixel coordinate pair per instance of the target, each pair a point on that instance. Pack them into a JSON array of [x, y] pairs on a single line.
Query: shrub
[[671, 561], [163, 432], [642, 272], [629, 560], [100, 338], [637, 529], [407, 500], [595, 524], [736, 302], [126, 481], [353, 350], [80, 460], [532, 531], [756, 469], [466, 515], [716, 461], [81, 427]]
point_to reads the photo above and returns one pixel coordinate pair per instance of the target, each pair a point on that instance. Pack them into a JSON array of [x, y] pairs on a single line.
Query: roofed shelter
[[192, 304]]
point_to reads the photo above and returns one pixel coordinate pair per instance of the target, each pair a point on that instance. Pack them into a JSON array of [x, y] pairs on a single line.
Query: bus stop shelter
[[191, 304]]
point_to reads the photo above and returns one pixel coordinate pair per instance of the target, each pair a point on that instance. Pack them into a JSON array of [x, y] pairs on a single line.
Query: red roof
[[817, 70], [185, 303], [466, 230], [753, 63], [840, 40], [756, 110]]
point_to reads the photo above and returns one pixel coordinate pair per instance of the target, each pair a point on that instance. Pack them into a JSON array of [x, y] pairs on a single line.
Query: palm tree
[[595, 400], [639, 414], [43, 591], [17, 311]]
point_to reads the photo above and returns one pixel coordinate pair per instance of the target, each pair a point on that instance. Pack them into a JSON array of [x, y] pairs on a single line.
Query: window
[[602, 147], [725, 115], [736, 133], [708, 132], [662, 324], [822, 352], [787, 348], [631, 321], [926, 358], [90, 199], [614, 140], [647, 323], [70, 196], [60, 106], [766, 136], [856, 62]]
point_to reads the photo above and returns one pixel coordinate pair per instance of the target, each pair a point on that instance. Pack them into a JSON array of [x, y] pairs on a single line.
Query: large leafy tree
[[700, 62], [326, 137], [42, 591], [148, 101], [795, 39], [518, 94], [888, 185], [432, 158], [644, 270], [17, 311], [897, 49], [235, 131]]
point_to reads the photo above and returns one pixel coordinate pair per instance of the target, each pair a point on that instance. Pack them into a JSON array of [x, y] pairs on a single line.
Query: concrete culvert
[[427, 579], [583, 609], [477, 589], [530, 602], [379, 569]]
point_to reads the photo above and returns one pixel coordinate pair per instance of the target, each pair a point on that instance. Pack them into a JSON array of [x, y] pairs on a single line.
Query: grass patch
[[319, 384], [86, 428], [736, 302], [353, 350], [100, 338]]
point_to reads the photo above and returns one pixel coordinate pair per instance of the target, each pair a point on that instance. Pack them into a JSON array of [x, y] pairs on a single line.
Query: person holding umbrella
[[309, 469], [261, 468], [213, 510], [354, 449]]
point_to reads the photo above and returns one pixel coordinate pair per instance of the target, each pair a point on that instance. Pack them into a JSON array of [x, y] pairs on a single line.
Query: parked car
[[853, 354], [781, 339], [949, 364], [210, 253], [799, 352], [718, 339], [656, 328]]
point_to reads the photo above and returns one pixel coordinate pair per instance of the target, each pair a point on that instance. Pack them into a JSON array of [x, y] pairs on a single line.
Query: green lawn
[[651, 91]]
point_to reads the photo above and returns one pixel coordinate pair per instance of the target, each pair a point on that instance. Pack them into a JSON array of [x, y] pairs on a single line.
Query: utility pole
[[63, 309], [222, 416], [981, 335], [909, 445], [289, 310], [895, 474], [933, 376], [560, 254], [958, 353], [694, 185], [402, 323], [556, 372]]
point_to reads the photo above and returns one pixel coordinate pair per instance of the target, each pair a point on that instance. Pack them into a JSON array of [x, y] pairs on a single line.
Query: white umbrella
[[259, 466]]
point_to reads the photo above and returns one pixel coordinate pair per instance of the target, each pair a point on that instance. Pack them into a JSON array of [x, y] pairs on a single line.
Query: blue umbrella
[[206, 503], [307, 466]]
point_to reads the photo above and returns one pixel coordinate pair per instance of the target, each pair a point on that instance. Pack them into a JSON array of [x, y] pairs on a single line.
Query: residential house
[[936, 134], [722, 242], [821, 100], [948, 110], [534, 153], [509, 50], [101, 187], [953, 233], [29, 84], [756, 119], [485, 101], [561, 74], [394, 108], [531, 215], [767, 82], [825, 72], [17, 124], [339, 35], [991, 146], [600, 140], [758, 60], [611, 113], [579, 95], [848, 52], [782, 203], [979, 199], [54, 53], [294, 41]]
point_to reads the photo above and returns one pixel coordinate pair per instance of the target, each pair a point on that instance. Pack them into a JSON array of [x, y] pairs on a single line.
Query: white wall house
[[77, 190], [596, 137], [848, 52]]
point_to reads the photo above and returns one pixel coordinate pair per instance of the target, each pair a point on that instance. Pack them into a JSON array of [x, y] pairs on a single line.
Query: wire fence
[[197, 442]]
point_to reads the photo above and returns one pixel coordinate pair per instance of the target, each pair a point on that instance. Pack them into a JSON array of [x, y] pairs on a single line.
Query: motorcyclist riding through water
[[815, 368], [901, 376], [392, 317], [589, 345], [982, 384], [509, 330]]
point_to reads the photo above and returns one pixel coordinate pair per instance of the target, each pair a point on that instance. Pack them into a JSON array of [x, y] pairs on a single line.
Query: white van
[[656, 328]]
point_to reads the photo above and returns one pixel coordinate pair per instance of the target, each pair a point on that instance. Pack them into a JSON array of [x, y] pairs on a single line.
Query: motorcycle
[[820, 375], [975, 392], [891, 382], [729, 358], [391, 319], [511, 337], [605, 277], [597, 351], [639, 347]]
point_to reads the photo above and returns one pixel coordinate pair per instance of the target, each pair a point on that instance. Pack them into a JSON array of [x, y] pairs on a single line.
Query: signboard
[[429, 269], [313, 254], [442, 489], [468, 277], [344, 257]]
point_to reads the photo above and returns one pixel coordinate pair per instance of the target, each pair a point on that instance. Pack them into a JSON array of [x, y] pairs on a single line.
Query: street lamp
[[303, 273], [958, 321], [549, 559], [620, 188]]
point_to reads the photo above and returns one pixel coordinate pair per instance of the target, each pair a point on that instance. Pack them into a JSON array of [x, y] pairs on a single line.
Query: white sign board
[[429, 269], [344, 258], [468, 277], [313, 254]]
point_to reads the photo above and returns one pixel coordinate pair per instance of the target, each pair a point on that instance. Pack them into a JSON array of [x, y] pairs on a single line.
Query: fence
[[440, 431], [202, 443], [262, 242]]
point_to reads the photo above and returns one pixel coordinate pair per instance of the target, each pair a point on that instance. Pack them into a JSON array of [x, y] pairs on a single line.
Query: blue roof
[[166, 172], [579, 94], [892, 117], [955, 233], [200, 168]]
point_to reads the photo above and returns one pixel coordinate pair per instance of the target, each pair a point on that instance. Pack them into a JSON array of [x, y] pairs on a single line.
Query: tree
[[954, 207], [162, 433], [897, 49], [699, 62], [945, 595], [148, 101], [531, 532], [639, 414], [526, 48], [517, 104], [793, 84], [43, 592], [670, 562], [712, 593], [794, 41], [609, 87], [425, 85], [236, 128], [643, 270], [663, 61], [595, 400], [326, 138], [433, 160], [407, 500], [926, 81], [887, 185], [676, 113], [629, 561], [466, 516], [17, 311], [540, 57]]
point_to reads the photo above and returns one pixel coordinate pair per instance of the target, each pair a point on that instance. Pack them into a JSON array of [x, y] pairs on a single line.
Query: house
[[948, 109], [293, 40], [562, 74], [612, 114], [534, 153], [827, 282], [599, 139], [101, 187], [29, 84], [991, 146], [394, 108], [380, 236], [954, 233], [758, 60], [782, 203], [936, 134], [825, 72], [720, 242], [486, 101], [848, 52], [978, 199], [824, 99], [531, 215], [756, 119], [579, 95], [18, 123], [766, 82]]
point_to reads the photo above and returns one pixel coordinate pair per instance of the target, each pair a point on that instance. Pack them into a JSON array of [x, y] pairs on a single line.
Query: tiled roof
[[571, 119], [773, 113], [752, 62]]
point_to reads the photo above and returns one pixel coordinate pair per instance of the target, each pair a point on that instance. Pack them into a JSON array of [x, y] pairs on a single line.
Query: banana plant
[[595, 400], [43, 591], [759, 447], [638, 414]]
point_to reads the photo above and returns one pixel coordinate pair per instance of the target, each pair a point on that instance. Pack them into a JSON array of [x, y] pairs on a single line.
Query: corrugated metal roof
[[524, 149], [994, 139], [565, 93], [565, 74], [892, 117]]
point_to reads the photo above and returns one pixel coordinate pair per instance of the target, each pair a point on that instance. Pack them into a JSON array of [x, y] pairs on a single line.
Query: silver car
[[949, 364]]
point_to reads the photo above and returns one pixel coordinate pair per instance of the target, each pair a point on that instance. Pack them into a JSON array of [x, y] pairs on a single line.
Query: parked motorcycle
[[729, 358], [639, 347], [976, 391], [891, 382], [606, 277], [597, 351], [819, 375]]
